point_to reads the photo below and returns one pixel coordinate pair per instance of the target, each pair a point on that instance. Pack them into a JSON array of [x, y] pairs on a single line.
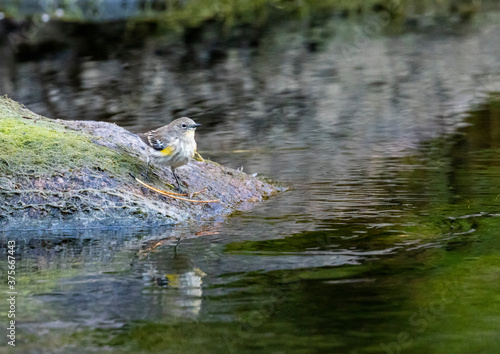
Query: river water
[[385, 242]]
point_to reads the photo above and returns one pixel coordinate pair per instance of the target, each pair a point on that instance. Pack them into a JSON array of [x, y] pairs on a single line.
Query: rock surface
[[76, 174]]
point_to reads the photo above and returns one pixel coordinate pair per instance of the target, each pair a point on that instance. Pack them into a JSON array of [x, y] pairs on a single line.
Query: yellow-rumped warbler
[[171, 145]]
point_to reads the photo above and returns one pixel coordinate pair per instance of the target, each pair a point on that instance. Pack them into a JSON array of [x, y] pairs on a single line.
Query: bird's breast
[[177, 154]]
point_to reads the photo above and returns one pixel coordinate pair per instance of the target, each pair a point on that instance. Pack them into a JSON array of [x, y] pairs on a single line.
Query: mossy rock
[[76, 174]]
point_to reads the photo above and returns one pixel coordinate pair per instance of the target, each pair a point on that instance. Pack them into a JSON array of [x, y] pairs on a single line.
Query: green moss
[[34, 145]]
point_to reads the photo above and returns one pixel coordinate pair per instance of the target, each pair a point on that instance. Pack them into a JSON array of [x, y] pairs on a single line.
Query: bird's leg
[[173, 195], [177, 180], [145, 174], [180, 189], [198, 157]]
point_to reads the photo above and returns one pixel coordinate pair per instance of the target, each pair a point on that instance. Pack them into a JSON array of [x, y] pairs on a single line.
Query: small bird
[[171, 145]]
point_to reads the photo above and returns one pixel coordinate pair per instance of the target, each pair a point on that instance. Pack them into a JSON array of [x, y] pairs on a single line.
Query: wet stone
[[79, 177]]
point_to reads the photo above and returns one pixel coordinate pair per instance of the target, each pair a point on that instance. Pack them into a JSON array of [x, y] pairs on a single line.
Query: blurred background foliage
[[178, 14]]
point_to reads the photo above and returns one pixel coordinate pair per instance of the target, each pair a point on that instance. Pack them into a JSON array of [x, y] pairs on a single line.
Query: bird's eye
[[184, 125]]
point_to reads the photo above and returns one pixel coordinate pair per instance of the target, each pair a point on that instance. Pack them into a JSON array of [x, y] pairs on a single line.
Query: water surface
[[386, 241]]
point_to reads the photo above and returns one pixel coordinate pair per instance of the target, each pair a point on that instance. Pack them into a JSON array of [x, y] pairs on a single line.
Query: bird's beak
[[195, 125]]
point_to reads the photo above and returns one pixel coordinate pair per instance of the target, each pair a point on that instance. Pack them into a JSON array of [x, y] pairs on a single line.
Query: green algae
[[35, 146]]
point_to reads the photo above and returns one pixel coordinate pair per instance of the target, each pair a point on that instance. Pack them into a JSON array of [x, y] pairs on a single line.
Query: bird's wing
[[151, 138]]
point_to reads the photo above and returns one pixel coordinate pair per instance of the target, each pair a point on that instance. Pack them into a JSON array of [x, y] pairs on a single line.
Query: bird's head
[[183, 126]]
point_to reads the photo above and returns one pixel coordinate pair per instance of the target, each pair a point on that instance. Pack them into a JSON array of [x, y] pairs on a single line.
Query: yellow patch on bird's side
[[169, 150]]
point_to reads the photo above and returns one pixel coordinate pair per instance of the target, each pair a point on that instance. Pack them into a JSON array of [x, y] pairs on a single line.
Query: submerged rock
[[76, 174]]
